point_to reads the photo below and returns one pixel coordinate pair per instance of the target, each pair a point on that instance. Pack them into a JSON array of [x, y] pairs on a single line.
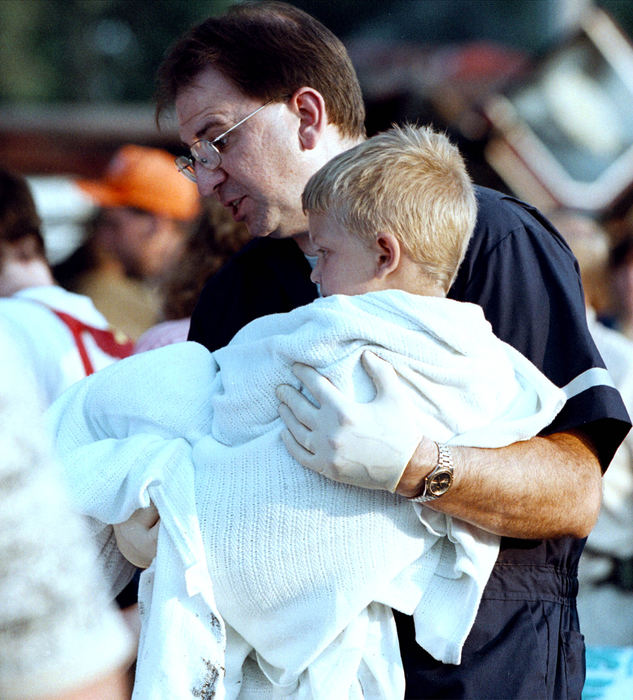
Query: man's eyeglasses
[[207, 153]]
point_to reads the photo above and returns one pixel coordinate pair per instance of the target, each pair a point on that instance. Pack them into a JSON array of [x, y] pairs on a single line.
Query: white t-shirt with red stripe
[[46, 343]]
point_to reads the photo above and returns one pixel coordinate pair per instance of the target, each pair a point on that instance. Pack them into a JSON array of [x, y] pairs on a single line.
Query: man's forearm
[[540, 488]]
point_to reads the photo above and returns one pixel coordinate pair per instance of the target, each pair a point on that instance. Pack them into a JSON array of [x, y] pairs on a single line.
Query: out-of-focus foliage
[[108, 50], [89, 50]]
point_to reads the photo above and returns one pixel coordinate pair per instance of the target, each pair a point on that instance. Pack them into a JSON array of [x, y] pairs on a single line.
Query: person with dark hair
[[144, 213], [264, 96], [19, 219], [61, 335], [268, 53]]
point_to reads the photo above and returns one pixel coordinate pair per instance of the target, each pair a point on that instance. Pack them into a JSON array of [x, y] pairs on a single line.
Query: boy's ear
[[388, 250], [308, 104]]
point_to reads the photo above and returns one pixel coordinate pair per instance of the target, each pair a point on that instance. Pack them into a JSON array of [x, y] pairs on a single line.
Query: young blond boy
[[394, 212], [301, 573]]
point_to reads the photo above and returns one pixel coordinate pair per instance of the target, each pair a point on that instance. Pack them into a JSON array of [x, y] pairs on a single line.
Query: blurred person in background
[[60, 637], [214, 239], [145, 212], [60, 335], [605, 596], [621, 273]]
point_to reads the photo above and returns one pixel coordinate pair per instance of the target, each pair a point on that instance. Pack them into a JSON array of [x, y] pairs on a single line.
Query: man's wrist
[[421, 464], [438, 482]]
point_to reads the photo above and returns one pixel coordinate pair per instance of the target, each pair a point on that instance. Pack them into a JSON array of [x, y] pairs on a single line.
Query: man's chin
[[261, 230], [281, 234], [263, 233]]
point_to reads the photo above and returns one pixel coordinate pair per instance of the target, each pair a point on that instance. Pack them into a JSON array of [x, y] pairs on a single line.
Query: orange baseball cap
[[145, 178]]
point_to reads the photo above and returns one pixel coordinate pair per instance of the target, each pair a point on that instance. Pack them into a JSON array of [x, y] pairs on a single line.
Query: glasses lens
[[206, 154], [185, 166]]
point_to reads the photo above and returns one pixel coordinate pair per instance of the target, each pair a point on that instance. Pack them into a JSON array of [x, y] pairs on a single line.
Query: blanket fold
[[293, 563]]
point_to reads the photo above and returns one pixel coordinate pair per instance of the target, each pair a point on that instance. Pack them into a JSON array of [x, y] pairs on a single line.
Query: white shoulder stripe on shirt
[[596, 376]]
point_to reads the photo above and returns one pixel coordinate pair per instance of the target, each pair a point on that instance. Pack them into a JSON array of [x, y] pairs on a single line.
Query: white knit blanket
[[303, 570]]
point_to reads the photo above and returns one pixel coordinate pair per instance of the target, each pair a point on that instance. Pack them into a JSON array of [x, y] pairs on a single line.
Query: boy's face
[[345, 264]]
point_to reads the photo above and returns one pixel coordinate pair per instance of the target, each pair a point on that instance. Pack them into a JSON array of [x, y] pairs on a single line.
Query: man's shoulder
[[499, 214], [513, 231], [491, 203], [490, 200]]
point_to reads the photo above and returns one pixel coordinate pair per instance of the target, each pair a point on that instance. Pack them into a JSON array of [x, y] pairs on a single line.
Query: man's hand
[[364, 444], [540, 488], [136, 537]]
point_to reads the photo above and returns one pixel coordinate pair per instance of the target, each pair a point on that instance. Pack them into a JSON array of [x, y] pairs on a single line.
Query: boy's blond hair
[[408, 181]]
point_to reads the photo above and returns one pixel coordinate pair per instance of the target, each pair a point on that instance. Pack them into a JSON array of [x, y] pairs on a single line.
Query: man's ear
[[308, 104], [388, 250]]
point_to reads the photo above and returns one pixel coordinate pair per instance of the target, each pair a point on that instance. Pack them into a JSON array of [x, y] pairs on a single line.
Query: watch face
[[441, 482]]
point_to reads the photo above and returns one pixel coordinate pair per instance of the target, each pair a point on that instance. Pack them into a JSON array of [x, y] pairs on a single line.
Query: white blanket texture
[[269, 570]]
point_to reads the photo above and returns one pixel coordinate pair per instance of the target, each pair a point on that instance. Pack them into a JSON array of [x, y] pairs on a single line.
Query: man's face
[[263, 169], [345, 263], [145, 244]]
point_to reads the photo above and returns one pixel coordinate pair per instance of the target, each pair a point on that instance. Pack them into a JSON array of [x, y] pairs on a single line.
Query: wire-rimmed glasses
[[206, 152]]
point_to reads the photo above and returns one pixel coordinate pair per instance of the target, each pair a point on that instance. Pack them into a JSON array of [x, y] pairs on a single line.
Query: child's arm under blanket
[[115, 430]]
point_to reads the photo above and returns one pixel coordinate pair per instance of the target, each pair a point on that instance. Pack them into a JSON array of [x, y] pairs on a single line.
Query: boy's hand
[[364, 444], [136, 537]]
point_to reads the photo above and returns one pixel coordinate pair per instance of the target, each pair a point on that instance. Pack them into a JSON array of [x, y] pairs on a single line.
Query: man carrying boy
[[304, 571], [265, 95]]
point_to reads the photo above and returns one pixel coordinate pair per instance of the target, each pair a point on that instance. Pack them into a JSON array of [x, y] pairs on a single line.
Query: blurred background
[[538, 93]]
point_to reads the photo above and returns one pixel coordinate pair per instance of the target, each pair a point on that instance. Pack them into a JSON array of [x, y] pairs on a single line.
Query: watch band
[[439, 480]]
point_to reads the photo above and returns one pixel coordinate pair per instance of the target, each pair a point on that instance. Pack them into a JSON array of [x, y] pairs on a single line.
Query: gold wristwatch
[[439, 480]]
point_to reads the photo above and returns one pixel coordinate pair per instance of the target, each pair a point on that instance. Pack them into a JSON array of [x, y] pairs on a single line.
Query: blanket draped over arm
[[295, 573]]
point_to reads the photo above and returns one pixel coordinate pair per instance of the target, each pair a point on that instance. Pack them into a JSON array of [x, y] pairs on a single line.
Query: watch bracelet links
[[444, 462]]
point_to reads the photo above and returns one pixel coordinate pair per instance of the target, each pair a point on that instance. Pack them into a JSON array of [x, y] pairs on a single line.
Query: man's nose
[[208, 180]]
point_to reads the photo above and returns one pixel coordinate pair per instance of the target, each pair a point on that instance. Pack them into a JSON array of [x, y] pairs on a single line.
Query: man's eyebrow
[[212, 121]]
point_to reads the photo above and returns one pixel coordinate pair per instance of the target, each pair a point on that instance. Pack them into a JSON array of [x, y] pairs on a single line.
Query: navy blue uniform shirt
[[525, 642]]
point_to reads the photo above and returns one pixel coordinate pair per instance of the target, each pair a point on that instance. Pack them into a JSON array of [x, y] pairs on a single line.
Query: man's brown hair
[[268, 50], [18, 214]]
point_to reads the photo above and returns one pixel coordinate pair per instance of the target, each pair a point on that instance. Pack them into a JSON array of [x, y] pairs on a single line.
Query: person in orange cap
[[144, 212]]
